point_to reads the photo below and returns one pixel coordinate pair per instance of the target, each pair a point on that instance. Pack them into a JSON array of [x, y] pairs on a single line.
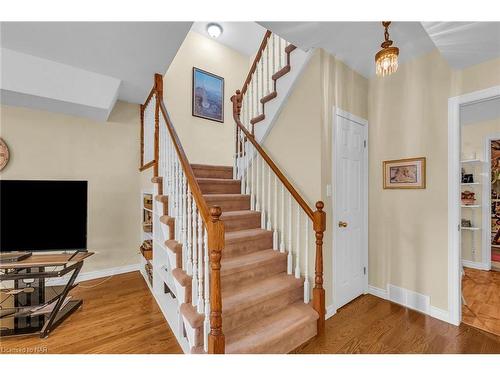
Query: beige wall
[[47, 145], [204, 141], [300, 141], [408, 115], [473, 141]]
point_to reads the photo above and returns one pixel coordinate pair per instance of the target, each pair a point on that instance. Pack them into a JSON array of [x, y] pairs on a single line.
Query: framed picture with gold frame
[[404, 173]]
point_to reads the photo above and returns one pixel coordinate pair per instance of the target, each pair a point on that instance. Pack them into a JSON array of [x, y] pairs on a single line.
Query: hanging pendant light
[[386, 60]]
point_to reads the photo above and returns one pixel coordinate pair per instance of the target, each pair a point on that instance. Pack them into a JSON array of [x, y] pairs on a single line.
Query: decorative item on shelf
[[404, 173], [467, 178], [386, 60], [4, 154], [147, 249], [148, 201], [466, 223], [208, 95], [149, 271], [468, 198], [148, 228]]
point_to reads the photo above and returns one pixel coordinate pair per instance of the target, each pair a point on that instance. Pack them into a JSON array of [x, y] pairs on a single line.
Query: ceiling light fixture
[[214, 30], [386, 60]]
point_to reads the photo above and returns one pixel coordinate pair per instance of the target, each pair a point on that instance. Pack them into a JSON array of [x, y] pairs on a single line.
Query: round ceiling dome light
[[214, 30]]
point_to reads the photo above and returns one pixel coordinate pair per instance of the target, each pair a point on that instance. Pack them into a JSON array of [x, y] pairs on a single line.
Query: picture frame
[[404, 173], [207, 95]]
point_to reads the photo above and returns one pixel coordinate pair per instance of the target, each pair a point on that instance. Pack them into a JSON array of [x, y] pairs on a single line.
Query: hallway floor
[[121, 316], [481, 290]]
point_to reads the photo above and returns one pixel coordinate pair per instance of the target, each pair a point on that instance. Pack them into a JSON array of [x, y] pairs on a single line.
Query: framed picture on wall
[[404, 174], [208, 95]]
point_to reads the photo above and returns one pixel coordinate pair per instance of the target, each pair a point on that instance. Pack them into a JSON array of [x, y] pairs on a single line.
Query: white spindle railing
[[190, 229]]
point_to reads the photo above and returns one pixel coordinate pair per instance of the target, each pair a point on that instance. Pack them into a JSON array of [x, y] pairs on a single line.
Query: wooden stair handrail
[[295, 194], [186, 166], [261, 49]]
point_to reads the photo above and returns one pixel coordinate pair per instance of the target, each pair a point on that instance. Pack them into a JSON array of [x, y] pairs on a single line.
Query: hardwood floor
[[118, 316], [121, 316], [481, 290]]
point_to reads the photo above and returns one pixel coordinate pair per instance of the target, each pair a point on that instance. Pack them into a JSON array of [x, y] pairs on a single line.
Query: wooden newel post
[[216, 341], [319, 226], [158, 86]]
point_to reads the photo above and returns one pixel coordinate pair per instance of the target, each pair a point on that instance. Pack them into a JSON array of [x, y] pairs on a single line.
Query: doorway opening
[[474, 129]]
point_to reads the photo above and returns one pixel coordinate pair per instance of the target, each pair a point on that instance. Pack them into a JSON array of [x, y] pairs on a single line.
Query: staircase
[[237, 238]]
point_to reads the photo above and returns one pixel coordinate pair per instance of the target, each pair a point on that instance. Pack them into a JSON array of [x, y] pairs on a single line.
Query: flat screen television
[[43, 215]]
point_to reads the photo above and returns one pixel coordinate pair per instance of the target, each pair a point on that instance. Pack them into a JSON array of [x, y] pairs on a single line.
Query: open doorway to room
[[480, 213]]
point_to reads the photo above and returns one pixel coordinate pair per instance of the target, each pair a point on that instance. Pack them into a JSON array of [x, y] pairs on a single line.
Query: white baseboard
[[377, 292], [476, 265], [410, 299], [84, 276], [330, 311]]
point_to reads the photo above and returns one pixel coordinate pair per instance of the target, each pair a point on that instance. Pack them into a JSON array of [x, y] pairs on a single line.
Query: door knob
[[342, 224]]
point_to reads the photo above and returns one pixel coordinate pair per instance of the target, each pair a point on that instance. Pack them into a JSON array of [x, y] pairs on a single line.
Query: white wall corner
[[377, 292]]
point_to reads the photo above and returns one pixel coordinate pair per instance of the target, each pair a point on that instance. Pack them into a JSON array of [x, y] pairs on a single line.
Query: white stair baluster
[[235, 164], [289, 258], [189, 270], [282, 227], [257, 110], [279, 54], [268, 72], [206, 323], [274, 53], [297, 252], [252, 179], [184, 223], [201, 306], [306, 261], [194, 281], [257, 186], [246, 144], [263, 198], [269, 209], [262, 78], [275, 214]]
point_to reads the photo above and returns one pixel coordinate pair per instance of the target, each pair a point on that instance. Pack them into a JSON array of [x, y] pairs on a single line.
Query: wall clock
[[4, 154]]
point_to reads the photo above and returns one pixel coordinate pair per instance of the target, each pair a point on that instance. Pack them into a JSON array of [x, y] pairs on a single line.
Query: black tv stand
[[36, 307]]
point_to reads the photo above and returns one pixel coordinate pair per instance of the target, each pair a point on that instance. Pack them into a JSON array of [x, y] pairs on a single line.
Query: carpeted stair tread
[[280, 332], [182, 277], [219, 186], [246, 241], [212, 171], [240, 220], [189, 312], [228, 202], [250, 295], [173, 245], [251, 260], [167, 220]]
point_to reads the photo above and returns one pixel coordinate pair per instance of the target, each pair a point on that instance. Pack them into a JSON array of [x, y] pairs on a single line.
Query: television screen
[[43, 215]]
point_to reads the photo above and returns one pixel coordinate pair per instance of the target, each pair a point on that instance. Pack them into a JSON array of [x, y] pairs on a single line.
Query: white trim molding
[[91, 275], [410, 299], [477, 265], [454, 188]]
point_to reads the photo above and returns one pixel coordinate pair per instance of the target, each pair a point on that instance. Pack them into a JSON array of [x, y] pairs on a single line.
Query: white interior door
[[350, 208]]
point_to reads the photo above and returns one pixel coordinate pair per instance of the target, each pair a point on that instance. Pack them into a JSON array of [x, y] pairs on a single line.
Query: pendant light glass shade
[[386, 60]]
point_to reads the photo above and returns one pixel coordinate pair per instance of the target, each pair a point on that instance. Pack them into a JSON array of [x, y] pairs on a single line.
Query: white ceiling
[[244, 37], [355, 43], [465, 43], [129, 51]]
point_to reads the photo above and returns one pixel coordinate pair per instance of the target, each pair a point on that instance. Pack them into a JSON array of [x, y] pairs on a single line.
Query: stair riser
[[233, 187], [183, 293], [281, 346], [246, 277], [230, 204], [200, 172], [248, 246], [247, 314], [242, 223]]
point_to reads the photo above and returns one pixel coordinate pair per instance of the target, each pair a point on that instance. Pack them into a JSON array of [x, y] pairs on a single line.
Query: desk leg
[[49, 322]]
